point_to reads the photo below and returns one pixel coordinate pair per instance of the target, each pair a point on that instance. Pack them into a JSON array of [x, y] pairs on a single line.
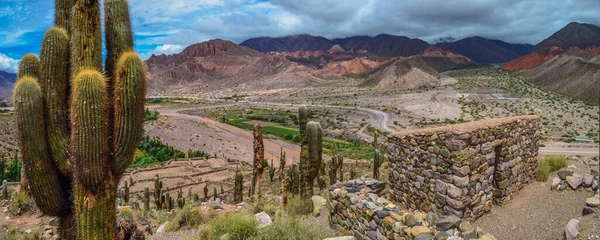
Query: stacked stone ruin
[[462, 169], [440, 178]]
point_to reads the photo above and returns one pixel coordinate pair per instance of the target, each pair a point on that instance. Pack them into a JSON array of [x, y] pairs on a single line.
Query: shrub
[[548, 165], [161, 216], [187, 218], [298, 206], [290, 229], [14, 234], [19, 203], [126, 213], [556, 162], [237, 227], [266, 207]]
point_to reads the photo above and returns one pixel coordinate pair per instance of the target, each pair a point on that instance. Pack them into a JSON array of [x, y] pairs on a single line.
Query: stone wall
[[358, 207], [462, 169]]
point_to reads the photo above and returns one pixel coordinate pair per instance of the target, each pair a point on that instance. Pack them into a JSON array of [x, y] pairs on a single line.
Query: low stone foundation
[[461, 169], [358, 207]]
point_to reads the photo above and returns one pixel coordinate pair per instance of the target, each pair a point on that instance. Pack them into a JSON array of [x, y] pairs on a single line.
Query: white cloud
[[8, 64], [165, 49]]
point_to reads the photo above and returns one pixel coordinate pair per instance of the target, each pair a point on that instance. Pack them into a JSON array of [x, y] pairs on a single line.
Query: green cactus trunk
[[259, 156], [271, 171], [314, 138], [205, 192], [4, 189], [146, 199], [376, 164], [126, 193], [341, 167], [78, 158], [281, 164], [95, 212], [304, 182], [238, 187]]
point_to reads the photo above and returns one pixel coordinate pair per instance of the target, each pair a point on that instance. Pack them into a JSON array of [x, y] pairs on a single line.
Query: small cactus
[[259, 156], [281, 164], [333, 168], [4, 189], [376, 164], [158, 201], [205, 189], [168, 200], [126, 193], [215, 196], [340, 160], [196, 197], [272, 171], [284, 191], [189, 194], [238, 187], [293, 179], [146, 199], [321, 182], [353, 170]]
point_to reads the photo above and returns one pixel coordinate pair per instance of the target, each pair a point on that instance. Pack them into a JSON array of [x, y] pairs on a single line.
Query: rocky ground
[[537, 212]]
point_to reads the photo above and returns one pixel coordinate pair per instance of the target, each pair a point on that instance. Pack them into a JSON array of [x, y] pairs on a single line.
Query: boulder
[[418, 230], [263, 219], [318, 203], [587, 210], [587, 180], [563, 173], [447, 223], [571, 231], [555, 182], [574, 182], [592, 201]]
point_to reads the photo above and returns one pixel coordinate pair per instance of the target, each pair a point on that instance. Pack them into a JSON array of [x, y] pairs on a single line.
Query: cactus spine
[[146, 199], [81, 156], [238, 187], [259, 156]]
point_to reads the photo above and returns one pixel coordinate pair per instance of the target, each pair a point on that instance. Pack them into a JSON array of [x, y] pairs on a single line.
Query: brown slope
[[404, 73], [7, 81], [572, 76], [220, 64]]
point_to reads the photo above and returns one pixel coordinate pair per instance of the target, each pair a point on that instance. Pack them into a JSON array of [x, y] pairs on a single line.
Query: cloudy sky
[[167, 26]]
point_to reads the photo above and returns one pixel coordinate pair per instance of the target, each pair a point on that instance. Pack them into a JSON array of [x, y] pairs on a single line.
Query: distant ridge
[[478, 49], [7, 81]]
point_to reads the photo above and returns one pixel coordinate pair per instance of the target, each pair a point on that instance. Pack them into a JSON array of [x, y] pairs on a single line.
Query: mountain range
[[7, 81], [567, 62]]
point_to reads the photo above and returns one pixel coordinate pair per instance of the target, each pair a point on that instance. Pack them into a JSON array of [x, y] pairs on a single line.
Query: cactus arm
[[129, 99], [54, 80], [89, 128], [29, 66], [119, 36], [45, 186], [86, 37], [62, 13]]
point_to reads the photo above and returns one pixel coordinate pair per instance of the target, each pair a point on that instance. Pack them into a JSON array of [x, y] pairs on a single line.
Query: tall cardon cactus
[[78, 125]]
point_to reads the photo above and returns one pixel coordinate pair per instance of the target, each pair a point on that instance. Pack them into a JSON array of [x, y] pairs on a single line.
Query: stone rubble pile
[[357, 207], [567, 179]]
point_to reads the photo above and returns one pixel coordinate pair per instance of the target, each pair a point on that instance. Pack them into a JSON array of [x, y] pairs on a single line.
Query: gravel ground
[[537, 212]]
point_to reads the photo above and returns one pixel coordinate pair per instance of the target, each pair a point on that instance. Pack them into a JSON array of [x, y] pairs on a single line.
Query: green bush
[[14, 234], [266, 207], [290, 229], [237, 227], [548, 165], [298, 206], [187, 218], [19, 203]]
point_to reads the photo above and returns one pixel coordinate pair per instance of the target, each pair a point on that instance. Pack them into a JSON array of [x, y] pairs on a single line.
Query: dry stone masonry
[[358, 206], [462, 169]]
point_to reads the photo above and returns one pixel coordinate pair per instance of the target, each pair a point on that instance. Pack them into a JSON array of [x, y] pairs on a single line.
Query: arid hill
[[220, 64], [570, 75], [583, 36], [7, 81]]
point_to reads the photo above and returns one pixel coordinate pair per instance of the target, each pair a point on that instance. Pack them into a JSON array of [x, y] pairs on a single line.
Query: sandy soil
[[536, 212]]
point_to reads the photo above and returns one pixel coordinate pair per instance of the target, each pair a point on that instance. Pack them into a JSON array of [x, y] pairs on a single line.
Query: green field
[[352, 150]]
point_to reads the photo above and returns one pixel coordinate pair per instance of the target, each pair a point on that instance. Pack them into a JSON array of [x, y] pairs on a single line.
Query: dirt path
[[234, 134], [536, 212], [560, 148]]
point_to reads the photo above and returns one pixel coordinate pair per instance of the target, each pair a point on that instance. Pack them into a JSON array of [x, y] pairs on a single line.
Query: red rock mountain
[[7, 81]]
